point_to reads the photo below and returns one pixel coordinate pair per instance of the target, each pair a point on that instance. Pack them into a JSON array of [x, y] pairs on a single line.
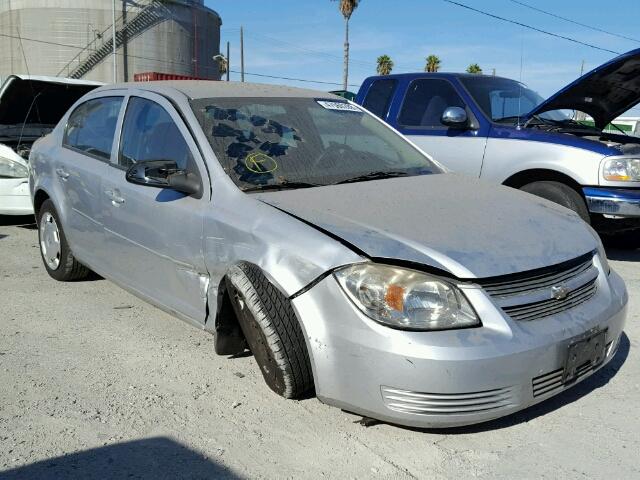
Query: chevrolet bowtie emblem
[[559, 292]]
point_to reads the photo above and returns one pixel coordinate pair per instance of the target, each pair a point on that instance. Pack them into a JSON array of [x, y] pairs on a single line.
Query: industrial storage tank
[[73, 38]]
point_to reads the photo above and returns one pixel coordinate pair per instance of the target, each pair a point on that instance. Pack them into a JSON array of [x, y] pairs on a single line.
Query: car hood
[[39, 100], [604, 93], [461, 225]]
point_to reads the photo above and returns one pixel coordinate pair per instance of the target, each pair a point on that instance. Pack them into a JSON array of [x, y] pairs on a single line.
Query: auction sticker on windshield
[[342, 106]]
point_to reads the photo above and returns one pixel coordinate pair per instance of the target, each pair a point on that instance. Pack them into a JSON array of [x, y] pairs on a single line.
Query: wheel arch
[[39, 197], [525, 177], [221, 318]]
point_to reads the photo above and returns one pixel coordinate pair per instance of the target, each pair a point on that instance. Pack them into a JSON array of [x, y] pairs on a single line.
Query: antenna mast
[[520, 81]]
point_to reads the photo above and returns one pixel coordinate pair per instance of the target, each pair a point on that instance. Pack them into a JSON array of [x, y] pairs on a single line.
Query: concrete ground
[[95, 383]]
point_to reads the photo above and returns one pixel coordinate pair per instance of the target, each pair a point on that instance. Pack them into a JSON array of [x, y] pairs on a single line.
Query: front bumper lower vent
[[406, 401], [552, 381]]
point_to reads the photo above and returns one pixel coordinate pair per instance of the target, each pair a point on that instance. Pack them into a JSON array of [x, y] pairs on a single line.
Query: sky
[[304, 39]]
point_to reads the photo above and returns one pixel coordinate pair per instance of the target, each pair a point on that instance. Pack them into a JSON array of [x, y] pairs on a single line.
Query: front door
[[155, 235], [419, 119]]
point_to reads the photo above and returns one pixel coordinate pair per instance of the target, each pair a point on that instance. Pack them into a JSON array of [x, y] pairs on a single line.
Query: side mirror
[[455, 117], [163, 174]]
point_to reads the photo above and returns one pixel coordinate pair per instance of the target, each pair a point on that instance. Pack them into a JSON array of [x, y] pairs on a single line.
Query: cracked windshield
[[303, 142]]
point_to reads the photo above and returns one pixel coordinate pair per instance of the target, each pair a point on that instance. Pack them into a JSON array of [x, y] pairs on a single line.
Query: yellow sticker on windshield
[[259, 162]]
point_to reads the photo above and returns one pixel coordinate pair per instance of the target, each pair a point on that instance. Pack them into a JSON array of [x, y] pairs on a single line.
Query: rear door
[[155, 235], [80, 166], [419, 119]]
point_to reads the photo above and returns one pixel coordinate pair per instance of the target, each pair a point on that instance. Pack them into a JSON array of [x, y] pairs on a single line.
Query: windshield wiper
[[378, 175], [281, 186]]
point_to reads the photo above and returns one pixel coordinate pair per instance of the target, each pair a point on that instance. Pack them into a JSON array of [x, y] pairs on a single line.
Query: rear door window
[[92, 126], [425, 102], [149, 133], [379, 96]]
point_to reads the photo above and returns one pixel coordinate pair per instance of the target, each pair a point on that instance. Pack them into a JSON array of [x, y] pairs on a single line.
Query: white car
[[30, 106]]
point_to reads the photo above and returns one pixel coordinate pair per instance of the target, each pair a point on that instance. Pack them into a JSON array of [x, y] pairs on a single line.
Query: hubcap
[[50, 241]]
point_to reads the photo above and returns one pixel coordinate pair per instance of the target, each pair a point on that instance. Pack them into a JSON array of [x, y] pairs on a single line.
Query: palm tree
[[433, 64], [346, 8], [474, 68], [385, 65]]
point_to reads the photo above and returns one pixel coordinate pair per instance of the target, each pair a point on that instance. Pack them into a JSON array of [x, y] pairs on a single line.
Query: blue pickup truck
[[498, 129]]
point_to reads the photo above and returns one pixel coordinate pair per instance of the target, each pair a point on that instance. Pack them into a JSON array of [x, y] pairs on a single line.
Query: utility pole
[[241, 54], [113, 35], [228, 61], [582, 68], [493, 72]]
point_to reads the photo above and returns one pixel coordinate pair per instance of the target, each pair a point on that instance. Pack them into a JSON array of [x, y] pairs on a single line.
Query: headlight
[[12, 169], [622, 170], [406, 299]]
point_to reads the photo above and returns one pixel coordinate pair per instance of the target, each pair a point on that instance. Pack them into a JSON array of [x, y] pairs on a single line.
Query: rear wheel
[[272, 331], [561, 194], [56, 255]]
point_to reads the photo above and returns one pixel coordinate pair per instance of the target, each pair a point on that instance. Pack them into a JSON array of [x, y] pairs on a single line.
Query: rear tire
[[54, 249], [561, 194], [272, 331]]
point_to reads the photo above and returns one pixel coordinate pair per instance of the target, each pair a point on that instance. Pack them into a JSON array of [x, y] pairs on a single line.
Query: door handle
[[62, 173], [115, 198]]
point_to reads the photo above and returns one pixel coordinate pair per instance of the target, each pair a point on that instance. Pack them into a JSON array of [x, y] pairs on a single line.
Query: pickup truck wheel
[[561, 194], [56, 254], [272, 331]]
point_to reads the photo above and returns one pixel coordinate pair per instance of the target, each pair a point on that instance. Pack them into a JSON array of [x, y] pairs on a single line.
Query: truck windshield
[[298, 142], [504, 100]]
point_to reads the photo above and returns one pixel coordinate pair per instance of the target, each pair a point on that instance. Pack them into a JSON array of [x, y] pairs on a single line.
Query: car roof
[[195, 89], [447, 75]]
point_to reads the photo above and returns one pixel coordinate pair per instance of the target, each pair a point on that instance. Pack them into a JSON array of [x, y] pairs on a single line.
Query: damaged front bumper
[[449, 378]]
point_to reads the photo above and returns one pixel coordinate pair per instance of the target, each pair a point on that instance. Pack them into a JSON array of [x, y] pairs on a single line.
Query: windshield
[[298, 141], [505, 100]]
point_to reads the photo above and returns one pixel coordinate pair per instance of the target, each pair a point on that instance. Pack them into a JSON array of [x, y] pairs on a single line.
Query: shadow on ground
[[623, 247], [153, 458], [26, 221], [623, 255]]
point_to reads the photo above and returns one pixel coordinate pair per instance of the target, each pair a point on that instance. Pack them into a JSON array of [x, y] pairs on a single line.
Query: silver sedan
[[297, 225]]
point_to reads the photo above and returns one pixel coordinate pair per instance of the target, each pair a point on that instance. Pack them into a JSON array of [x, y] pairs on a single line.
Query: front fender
[[290, 253], [506, 157]]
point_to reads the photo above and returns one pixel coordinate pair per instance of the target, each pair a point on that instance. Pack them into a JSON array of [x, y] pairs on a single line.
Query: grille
[[529, 295], [552, 306], [541, 280], [444, 403]]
